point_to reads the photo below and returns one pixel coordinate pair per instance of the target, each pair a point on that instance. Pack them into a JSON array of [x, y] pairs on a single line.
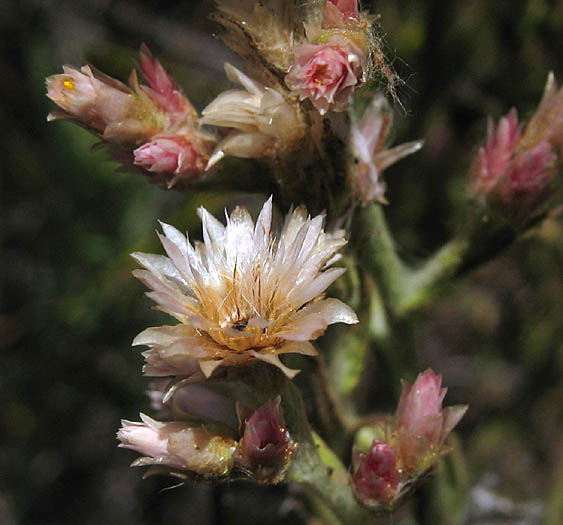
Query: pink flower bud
[[120, 114], [174, 154], [375, 477], [530, 172], [163, 89], [266, 446], [495, 157], [327, 74], [515, 168], [178, 445], [339, 13], [421, 425], [150, 438], [80, 94]]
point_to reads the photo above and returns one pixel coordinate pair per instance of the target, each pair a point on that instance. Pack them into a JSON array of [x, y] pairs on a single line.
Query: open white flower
[[263, 123], [243, 294]]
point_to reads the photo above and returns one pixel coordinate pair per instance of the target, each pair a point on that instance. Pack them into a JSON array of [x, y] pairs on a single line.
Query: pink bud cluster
[[414, 442], [263, 453], [514, 168], [334, 62], [156, 119]]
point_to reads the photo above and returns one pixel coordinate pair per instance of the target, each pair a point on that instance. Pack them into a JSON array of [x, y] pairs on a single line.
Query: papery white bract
[[243, 294], [368, 144], [263, 123]]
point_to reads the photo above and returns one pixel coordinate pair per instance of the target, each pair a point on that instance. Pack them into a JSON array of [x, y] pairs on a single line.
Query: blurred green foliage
[[70, 307]]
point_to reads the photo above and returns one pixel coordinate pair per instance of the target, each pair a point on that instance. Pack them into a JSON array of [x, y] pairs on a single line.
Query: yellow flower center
[[69, 85]]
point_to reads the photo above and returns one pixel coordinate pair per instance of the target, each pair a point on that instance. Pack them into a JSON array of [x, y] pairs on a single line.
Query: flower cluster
[[157, 120], [251, 292], [183, 448], [245, 294], [514, 168], [408, 446], [302, 64]]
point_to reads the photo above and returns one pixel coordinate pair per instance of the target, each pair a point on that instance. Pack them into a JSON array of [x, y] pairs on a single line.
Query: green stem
[[376, 249], [421, 284], [317, 469]]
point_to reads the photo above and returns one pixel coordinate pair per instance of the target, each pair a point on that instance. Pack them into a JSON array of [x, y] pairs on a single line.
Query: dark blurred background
[[70, 308]]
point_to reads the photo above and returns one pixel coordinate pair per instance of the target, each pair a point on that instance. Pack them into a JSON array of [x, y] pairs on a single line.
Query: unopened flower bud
[[118, 113], [327, 74], [375, 478], [514, 168], [421, 425], [177, 155], [162, 87], [179, 446], [528, 175], [266, 447]]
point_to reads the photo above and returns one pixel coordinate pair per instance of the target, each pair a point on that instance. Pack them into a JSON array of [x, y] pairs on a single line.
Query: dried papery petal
[[375, 478], [179, 446], [267, 30], [245, 294], [547, 123], [263, 123], [327, 74], [266, 447], [368, 144]]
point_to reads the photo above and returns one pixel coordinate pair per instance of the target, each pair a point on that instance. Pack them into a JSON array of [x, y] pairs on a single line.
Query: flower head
[[421, 425], [243, 294], [515, 167], [178, 445], [266, 446], [375, 477], [368, 139], [262, 122], [120, 114], [327, 74], [507, 168]]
